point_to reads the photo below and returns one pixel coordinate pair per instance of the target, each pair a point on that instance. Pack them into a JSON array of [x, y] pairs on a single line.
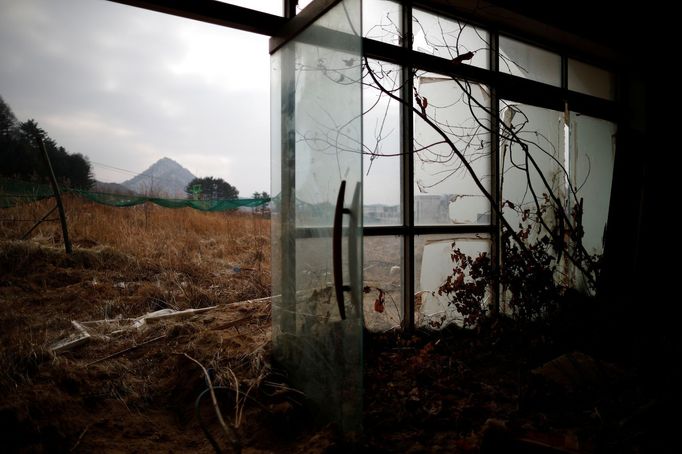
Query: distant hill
[[111, 188], [164, 178]]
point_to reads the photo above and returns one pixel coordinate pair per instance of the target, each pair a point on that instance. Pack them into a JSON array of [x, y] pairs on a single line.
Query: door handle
[[336, 250], [355, 249]]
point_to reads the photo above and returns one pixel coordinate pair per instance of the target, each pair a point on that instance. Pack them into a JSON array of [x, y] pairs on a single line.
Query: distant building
[[381, 214], [432, 209]]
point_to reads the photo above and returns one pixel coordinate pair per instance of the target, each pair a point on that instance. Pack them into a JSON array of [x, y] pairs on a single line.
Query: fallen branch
[[118, 353]]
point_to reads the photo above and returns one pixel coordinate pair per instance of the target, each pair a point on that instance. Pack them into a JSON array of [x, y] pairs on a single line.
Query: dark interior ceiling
[[607, 22]]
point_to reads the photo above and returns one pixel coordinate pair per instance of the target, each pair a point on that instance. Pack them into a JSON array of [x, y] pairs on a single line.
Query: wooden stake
[[57, 195]]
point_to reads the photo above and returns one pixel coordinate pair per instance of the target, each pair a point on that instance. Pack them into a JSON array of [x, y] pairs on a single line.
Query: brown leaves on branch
[[421, 101], [380, 301]]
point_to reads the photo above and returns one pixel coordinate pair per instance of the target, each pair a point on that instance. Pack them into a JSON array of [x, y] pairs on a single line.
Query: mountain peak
[[163, 178]]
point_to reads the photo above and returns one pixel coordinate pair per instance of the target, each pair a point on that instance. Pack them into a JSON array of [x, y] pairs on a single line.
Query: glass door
[[316, 145]]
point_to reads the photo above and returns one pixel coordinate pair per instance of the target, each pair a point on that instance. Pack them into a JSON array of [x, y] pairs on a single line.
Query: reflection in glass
[[445, 192], [433, 264], [383, 307], [530, 62], [448, 38]]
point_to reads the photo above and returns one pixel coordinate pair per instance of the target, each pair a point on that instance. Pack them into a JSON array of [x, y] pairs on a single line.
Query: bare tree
[[540, 231], [541, 226]]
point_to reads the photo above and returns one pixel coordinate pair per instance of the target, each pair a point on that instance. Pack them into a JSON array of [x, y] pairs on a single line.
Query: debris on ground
[[119, 381], [111, 327]]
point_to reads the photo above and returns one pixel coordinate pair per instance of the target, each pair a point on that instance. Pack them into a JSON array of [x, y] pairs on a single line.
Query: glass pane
[[590, 80], [383, 306], [448, 38], [530, 62], [543, 131], [522, 186], [381, 21], [316, 148], [433, 264], [445, 192], [381, 144], [592, 157]]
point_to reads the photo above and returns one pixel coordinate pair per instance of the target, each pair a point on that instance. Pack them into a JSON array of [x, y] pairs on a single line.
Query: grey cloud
[[99, 77]]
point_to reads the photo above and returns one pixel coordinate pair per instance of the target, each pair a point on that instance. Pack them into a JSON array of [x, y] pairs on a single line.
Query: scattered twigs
[[241, 409], [80, 437], [236, 397], [229, 432]]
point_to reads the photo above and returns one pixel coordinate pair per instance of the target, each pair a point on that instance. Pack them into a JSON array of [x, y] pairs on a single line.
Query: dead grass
[[127, 262], [185, 247]]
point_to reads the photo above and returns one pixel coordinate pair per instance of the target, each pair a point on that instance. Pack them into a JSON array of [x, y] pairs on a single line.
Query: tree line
[[211, 188], [21, 157]]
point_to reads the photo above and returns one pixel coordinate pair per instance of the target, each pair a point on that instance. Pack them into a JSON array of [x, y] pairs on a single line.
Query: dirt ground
[[132, 391], [501, 388]]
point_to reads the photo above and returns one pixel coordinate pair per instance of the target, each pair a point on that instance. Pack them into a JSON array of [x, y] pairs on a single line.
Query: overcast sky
[[126, 87]]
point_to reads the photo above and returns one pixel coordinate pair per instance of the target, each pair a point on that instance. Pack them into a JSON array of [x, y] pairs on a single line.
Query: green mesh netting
[[15, 192]]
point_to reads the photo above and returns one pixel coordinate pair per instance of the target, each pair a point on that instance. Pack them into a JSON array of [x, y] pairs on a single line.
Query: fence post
[[57, 195]]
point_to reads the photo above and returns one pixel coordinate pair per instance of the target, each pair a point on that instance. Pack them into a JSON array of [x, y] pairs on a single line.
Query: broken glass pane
[[433, 264], [381, 21], [445, 192], [381, 144], [530, 62], [383, 307], [449, 38], [590, 79], [592, 157], [568, 165]]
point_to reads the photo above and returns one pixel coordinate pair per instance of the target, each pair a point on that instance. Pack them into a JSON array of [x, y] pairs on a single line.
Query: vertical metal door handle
[[336, 250], [355, 249]]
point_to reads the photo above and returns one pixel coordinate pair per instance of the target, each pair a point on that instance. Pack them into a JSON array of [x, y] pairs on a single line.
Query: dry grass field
[[141, 387], [133, 389]]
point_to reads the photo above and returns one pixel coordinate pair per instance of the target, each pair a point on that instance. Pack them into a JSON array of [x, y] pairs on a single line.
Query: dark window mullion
[[509, 87], [407, 174], [495, 189], [453, 229], [564, 73]]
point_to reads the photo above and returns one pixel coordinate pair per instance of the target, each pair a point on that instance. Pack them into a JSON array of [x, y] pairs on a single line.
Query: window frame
[[501, 86], [496, 21]]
